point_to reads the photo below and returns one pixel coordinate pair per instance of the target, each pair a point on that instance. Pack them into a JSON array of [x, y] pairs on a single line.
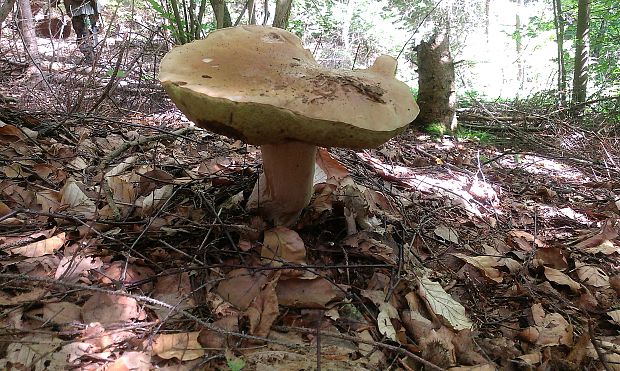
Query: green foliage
[[476, 135], [119, 73], [235, 363], [435, 130], [470, 98], [604, 41], [182, 18]]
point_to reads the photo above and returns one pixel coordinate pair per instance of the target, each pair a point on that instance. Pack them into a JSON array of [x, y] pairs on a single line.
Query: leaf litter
[[129, 248]]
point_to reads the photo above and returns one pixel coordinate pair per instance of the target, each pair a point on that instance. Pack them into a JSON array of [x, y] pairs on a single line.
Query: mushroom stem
[[285, 186]]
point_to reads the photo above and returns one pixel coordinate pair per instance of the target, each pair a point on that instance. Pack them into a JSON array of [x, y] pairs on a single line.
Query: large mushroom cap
[[260, 85]]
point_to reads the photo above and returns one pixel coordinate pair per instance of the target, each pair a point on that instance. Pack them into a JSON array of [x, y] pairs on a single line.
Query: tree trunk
[[582, 55], [558, 20], [222, 15], [5, 9], [436, 94], [251, 12], [27, 30], [283, 11]]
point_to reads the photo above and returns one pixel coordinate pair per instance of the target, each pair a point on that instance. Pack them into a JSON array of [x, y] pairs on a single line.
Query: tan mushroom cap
[[260, 85]]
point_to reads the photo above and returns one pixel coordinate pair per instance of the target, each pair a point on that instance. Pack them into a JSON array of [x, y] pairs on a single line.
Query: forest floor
[[124, 242]]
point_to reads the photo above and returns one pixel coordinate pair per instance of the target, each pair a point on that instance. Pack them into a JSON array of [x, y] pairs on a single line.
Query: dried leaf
[[283, 245], [40, 248], [443, 305], [183, 346], [77, 202], [37, 352], [484, 263], [615, 316], [328, 168], [241, 287], [314, 293], [447, 233], [557, 276], [386, 312], [264, 310], [134, 361], [106, 308], [594, 276], [174, 289], [551, 329], [62, 312], [35, 295]]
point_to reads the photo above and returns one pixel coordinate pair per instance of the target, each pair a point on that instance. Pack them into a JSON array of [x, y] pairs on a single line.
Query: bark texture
[[582, 52], [558, 20], [222, 15], [283, 11], [27, 30], [436, 95], [5, 9]]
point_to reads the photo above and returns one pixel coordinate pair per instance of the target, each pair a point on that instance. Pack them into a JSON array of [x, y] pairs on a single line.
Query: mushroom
[[260, 85]]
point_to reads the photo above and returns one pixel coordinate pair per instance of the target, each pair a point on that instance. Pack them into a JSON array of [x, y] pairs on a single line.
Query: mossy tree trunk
[[436, 94]]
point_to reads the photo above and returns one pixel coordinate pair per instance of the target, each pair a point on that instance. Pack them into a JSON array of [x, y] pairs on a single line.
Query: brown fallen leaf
[[486, 264], [35, 295], [134, 361], [241, 287], [558, 277], [126, 274], [282, 245], [331, 169], [62, 312], [76, 201], [313, 293], [607, 233], [40, 248], [174, 289], [106, 308], [264, 310], [211, 339], [549, 330], [183, 346], [443, 305], [524, 240], [593, 276]]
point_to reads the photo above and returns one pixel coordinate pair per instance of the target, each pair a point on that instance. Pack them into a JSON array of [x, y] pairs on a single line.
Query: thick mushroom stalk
[[285, 186]]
